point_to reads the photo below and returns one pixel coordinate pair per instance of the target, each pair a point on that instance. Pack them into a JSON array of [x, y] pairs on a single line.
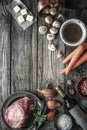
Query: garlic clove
[[53, 30], [60, 54], [43, 29], [48, 19], [69, 82], [52, 104], [51, 115], [48, 93], [51, 47]]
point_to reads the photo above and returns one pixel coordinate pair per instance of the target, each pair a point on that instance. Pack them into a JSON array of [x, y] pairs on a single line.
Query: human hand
[[77, 57]]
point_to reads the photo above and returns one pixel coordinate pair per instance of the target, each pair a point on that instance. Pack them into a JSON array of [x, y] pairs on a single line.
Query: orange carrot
[[81, 60], [73, 58]]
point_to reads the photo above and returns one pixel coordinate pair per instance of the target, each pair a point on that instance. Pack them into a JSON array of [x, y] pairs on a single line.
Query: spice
[[64, 122]]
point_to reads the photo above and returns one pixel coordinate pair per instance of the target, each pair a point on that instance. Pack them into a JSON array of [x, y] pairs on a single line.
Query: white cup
[[80, 24]]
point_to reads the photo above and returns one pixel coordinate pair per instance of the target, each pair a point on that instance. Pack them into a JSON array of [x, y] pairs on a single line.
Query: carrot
[[73, 58], [81, 60]]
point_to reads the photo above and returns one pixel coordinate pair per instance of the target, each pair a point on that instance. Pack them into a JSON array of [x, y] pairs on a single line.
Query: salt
[[64, 122]]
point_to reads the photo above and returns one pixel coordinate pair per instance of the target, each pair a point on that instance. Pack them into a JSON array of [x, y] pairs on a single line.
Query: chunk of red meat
[[18, 112]]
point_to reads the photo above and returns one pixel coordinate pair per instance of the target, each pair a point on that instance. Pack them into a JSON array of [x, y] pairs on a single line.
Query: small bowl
[[56, 122], [78, 89], [82, 27], [15, 97], [42, 4]]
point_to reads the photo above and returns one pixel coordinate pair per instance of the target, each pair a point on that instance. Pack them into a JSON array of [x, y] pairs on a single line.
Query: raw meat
[[18, 112]]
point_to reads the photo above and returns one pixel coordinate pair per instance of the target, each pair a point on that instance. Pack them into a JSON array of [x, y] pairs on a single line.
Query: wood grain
[[25, 61], [4, 57]]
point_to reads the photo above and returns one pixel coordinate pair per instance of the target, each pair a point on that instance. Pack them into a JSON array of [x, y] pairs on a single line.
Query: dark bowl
[[15, 97], [78, 83]]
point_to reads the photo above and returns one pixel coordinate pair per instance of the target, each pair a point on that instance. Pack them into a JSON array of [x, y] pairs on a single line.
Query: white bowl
[[82, 26]]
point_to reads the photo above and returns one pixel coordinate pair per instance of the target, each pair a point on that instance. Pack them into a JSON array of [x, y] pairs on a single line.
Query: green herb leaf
[[39, 116]]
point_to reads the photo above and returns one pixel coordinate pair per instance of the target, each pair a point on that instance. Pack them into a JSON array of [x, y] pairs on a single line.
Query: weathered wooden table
[[25, 61]]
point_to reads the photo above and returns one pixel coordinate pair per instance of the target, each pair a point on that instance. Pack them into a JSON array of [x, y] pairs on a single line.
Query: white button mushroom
[[51, 47], [60, 16], [53, 11], [53, 30], [48, 19], [46, 10], [56, 4], [56, 24], [50, 36], [43, 29], [51, 5]]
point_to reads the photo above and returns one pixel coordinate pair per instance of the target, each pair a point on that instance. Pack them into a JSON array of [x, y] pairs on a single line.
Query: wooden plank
[[49, 67], [4, 56], [24, 55]]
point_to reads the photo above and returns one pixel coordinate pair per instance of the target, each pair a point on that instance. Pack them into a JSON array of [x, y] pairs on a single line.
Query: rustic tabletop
[[25, 61]]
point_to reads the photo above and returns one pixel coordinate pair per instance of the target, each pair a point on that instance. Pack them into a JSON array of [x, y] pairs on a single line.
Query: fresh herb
[[39, 116]]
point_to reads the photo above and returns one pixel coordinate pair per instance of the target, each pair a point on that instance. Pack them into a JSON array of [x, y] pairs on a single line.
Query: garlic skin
[[43, 30], [53, 11], [51, 115], [52, 104], [53, 30], [48, 93], [56, 24], [50, 36], [48, 19], [51, 47]]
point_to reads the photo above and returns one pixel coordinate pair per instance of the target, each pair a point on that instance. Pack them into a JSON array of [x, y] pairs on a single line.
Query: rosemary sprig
[[39, 116]]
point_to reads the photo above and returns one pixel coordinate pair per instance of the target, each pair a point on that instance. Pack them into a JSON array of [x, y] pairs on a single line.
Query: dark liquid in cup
[[72, 33]]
